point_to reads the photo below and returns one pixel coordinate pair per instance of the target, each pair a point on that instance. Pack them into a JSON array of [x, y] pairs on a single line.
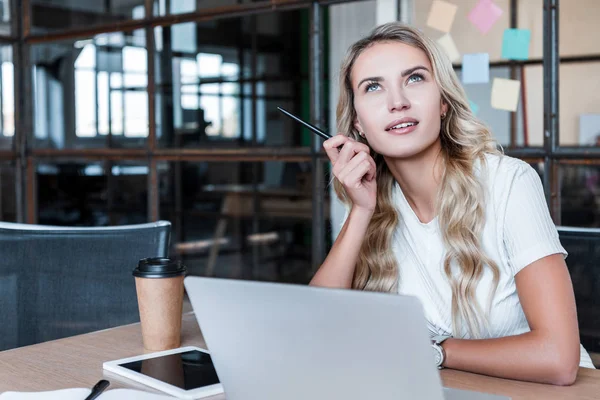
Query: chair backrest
[[583, 246], [63, 281]]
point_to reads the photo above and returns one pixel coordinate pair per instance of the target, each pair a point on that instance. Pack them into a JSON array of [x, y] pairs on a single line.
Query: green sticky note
[[474, 107], [515, 44]]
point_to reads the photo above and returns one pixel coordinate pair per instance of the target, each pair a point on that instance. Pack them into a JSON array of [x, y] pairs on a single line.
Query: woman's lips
[[403, 131]]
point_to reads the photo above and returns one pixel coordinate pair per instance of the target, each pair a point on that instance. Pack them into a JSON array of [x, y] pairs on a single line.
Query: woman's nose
[[398, 101]]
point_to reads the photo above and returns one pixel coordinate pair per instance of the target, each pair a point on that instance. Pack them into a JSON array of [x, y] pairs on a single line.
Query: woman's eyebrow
[[409, 71]]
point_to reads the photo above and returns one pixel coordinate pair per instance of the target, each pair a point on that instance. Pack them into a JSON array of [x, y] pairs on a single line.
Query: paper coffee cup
[[159, 287]]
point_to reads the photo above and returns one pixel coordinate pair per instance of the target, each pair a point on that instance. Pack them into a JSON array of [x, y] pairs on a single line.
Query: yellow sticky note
[[446, 43], [441, 15], [505, 94]]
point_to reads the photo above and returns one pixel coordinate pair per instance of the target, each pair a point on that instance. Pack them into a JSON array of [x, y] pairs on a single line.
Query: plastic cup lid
[[158, 267]]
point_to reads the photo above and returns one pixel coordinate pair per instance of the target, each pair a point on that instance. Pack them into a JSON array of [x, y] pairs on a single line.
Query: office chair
[[583, 261], [63, 281]]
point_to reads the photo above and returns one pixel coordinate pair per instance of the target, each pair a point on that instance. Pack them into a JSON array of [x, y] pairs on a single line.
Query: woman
[[436, 211]]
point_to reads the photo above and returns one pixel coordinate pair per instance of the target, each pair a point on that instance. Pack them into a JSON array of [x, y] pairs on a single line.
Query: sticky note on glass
[[476, 68], [515, 44], [484, 15], [505, 94], [441, 15], [474, 107], [446, 43]]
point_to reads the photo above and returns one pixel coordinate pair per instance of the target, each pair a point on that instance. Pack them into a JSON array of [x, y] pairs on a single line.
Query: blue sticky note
[[476, 68], [474, 107], [515, 44]]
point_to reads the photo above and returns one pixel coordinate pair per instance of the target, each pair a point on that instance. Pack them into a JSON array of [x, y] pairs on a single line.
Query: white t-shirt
[[518, 231]]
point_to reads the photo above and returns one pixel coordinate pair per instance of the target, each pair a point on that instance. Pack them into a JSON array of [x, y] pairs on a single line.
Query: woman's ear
[[359, 127], [444, 108]]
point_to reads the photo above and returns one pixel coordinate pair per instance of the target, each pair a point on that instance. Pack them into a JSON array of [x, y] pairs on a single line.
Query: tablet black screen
[[188, 370]]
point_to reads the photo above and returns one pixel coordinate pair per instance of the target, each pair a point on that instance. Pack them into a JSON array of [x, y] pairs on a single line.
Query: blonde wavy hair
[[460, 204]]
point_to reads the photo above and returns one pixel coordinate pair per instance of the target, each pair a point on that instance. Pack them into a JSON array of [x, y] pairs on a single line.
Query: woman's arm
[[550, 353], [355, 169], [338, 268]]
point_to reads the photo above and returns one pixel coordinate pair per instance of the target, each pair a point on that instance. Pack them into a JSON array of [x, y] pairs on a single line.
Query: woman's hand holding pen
[[354, 167]]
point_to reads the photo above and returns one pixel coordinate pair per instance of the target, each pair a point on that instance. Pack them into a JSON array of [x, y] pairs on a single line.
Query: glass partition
[[240, 219], [53, 15], [91, 93], [214, 91], [91, 193]]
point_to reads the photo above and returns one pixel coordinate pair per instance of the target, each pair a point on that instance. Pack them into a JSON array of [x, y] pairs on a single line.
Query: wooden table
[[77, 362]]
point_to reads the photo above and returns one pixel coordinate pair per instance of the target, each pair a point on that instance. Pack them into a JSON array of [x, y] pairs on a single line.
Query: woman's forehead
[[388, 58]]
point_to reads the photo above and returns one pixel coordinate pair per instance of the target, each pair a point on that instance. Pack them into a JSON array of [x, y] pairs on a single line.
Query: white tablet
[[185, 372]]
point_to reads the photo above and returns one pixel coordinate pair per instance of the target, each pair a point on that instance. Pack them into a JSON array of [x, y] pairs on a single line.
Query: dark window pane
[[51, 15], [580, 195], [222, 226], [84, 194], [91, 93], [8, 209], [212, 91], [167, 7]]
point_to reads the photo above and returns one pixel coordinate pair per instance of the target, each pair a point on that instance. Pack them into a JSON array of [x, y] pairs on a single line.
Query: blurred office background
[[119, 112]]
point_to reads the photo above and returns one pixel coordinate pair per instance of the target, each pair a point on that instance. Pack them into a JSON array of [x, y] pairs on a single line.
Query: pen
[[306, 124], [98, 389]]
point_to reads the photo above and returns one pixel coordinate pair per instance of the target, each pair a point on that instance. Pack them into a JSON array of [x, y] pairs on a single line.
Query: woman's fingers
[[345, 160], [331, 146], [372, 172], [362, 158], [341, 171], [355, 169], [354, 178], [350, 149]]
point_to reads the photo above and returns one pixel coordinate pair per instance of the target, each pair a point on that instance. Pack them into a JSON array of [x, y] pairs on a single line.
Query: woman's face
[[397, 102]]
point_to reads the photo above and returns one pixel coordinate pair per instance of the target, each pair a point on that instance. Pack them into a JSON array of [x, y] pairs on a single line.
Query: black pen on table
[[98, 389]]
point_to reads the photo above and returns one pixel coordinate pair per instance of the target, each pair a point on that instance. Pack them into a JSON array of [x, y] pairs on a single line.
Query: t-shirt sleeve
[[529, 232]]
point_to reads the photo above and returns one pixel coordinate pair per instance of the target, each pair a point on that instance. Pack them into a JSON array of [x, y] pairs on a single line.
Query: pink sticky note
[[484, 15]]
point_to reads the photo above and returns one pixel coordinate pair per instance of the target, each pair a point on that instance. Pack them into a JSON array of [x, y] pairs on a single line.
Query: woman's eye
[[415, 78], [372, 86]]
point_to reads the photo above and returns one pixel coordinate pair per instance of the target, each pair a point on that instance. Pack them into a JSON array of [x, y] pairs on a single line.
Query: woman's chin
[[406, 149], [405, 152]]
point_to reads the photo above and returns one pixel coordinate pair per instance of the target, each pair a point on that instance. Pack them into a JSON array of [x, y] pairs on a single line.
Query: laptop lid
[[274, 341]]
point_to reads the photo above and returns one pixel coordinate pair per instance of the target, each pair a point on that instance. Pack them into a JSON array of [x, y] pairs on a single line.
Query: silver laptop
[[273, 341]]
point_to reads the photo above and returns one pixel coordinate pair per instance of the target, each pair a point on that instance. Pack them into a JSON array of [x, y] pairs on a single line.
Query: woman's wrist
[[362, 212], [356, 224], [447, 346]]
